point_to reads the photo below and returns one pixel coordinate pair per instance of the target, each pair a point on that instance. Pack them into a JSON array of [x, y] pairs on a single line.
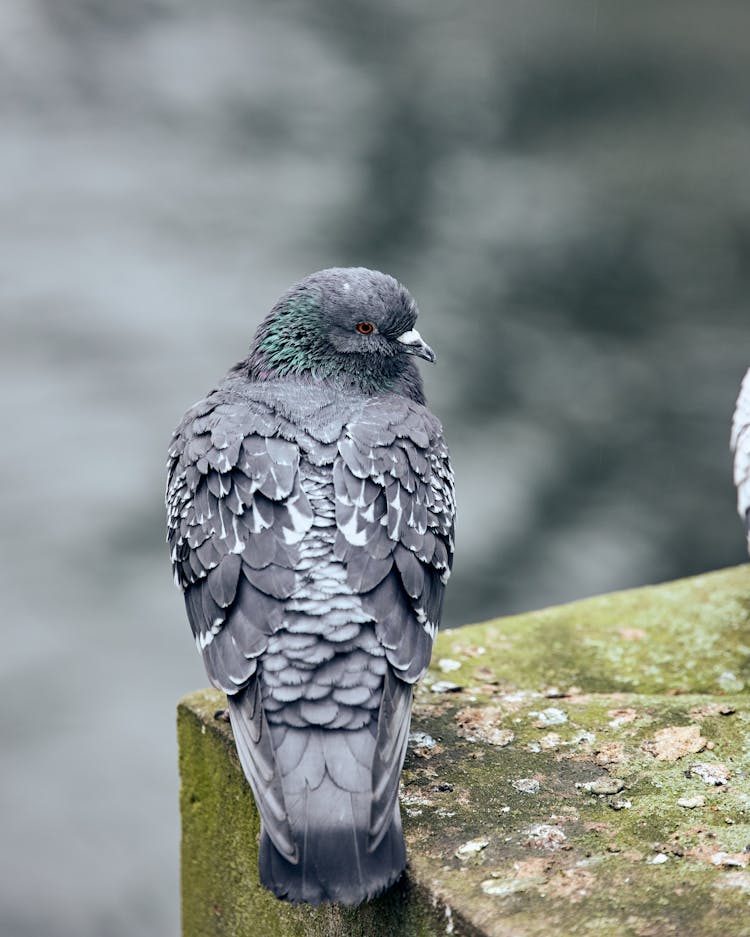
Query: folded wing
[[236, 515], [395, 512]]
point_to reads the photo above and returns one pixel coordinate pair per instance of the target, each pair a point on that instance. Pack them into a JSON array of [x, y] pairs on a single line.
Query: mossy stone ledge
[[580, 770]]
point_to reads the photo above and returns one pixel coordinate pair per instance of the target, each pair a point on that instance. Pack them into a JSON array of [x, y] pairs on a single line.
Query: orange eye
[[365, 328]]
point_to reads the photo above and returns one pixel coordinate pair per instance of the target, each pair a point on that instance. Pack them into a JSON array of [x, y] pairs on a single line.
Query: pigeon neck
[[291, 342]]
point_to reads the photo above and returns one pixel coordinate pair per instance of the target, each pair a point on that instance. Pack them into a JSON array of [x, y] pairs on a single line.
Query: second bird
[[310, 518]]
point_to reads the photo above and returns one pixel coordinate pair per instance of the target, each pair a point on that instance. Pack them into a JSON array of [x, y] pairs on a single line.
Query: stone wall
[[579, 770]]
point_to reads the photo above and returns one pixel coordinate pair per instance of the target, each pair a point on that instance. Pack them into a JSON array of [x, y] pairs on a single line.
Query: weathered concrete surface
[[579, 770]]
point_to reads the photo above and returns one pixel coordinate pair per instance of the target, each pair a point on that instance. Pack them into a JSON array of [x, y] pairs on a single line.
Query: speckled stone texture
[[579, 770]]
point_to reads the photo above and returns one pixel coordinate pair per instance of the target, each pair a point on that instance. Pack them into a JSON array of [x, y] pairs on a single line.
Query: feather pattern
[[310, 524]]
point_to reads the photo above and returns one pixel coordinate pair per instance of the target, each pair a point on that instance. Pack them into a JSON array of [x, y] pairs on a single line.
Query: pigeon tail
[[331, 829], [314, 788]]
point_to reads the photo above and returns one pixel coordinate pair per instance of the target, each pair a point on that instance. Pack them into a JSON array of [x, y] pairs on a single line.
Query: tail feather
[[331, 826], [332, 831]]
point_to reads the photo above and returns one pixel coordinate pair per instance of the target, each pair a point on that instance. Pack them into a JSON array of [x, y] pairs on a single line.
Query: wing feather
[[395, 513], [236, 511]]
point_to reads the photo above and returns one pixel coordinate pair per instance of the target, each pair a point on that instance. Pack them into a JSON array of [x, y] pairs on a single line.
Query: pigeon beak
[[415, 345]]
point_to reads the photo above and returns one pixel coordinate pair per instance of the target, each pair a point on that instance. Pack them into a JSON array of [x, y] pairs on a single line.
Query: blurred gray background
[[564, 188]]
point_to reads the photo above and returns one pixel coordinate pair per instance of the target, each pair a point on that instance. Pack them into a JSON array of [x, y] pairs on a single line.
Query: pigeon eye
[[365, 328]]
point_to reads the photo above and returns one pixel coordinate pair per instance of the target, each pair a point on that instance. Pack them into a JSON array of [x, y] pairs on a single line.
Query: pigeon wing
[[395, 511], [236, 514]]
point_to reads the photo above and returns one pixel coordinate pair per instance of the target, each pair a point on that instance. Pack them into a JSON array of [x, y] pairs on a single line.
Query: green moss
[[692, 635], [560, 858]]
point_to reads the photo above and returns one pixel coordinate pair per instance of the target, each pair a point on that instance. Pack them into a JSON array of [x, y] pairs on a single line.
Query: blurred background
[[562, 186]]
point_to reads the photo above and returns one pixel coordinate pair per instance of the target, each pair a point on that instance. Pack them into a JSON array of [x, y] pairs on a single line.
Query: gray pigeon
[[740, 443], [310, 519]]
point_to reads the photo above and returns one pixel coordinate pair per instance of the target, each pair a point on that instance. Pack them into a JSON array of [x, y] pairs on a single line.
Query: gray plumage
[[740, 442], [310, 519]]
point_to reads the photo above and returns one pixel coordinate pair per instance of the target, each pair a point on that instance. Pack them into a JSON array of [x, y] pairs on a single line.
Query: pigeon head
[[350, 325]]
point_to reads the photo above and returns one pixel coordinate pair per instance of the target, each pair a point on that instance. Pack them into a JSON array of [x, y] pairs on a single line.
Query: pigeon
[[740, 443], [310, 512]]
